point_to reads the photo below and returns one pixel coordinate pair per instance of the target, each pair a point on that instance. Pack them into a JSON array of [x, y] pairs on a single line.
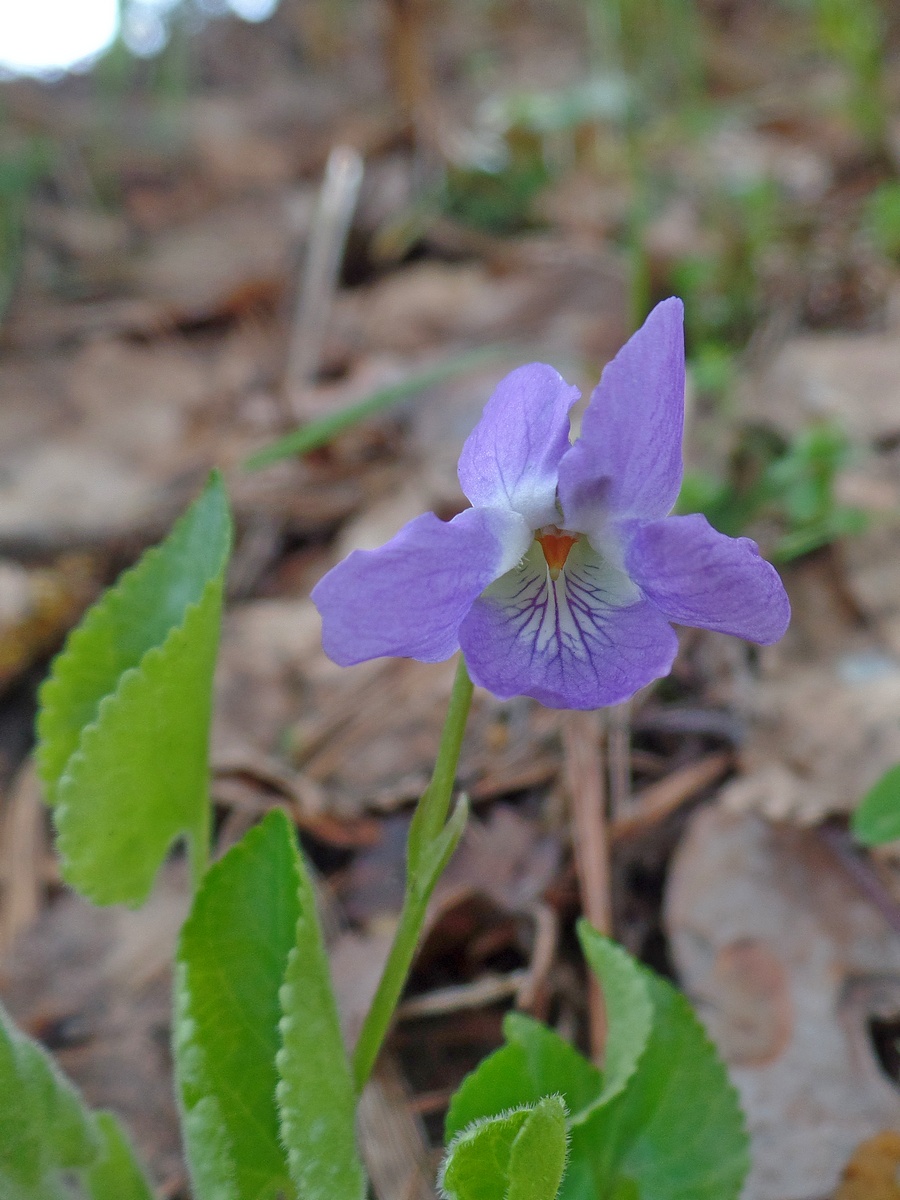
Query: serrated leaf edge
[[131, 678], [708, 1044], [606, 1096], [114, 599], [182, 1017], [286, 1116]]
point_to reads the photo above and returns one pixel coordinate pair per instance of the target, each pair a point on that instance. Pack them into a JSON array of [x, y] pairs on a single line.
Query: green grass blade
[[231, 961], [124, 720], [320, 432]]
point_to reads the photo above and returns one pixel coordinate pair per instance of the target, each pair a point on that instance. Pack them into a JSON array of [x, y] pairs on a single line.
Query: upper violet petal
[[627, 462], [511, 457], [698, 576], [584, 640], [407, 598]]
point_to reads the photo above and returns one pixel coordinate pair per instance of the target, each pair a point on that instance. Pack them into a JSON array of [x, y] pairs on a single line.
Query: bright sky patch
[[45, 36]]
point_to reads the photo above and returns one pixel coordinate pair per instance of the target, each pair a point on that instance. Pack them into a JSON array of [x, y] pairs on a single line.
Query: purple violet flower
[[560, 581]]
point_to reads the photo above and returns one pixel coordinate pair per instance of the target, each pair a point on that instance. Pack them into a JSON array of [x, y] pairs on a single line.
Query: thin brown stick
[[582, 746], [392, 1138], [460, 997], [22, 848], [618, 748], [660, 799], [859, 867]]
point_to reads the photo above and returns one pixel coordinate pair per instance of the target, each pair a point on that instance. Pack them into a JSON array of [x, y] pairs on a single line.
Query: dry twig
[[22, 848], [392, 1138], [660, 799], [618, 748], [583, 750]]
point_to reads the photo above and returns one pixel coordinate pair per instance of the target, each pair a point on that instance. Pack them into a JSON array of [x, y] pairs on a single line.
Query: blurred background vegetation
[[741, 155]]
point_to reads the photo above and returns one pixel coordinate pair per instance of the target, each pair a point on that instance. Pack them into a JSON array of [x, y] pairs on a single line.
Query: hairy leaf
[[44, 1128], [520, 1155], [124, 719]]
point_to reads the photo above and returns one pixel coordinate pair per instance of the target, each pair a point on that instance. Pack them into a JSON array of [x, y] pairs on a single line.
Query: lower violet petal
[[407, 598], [583, 640], [698, 576]]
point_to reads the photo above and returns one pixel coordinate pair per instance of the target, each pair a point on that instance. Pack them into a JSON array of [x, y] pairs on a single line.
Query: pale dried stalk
[[327, 240], [583, 749], [22, 847], [618, 749], [462, 997]]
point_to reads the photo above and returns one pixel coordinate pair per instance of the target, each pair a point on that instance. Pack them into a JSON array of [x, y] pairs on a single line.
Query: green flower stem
[[431, 841], [435, 803]]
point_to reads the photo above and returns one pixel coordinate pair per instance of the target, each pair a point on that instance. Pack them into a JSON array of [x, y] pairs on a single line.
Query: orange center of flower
[[556, 544]]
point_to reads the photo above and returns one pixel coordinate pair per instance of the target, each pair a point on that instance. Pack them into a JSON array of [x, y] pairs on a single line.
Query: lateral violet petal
[[698, 576], [584, 640], [407, 598], [627, 462], [511, 458]]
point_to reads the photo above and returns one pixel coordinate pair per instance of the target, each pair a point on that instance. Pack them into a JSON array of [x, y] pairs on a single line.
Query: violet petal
[[408, 597], [632, 430], [584, 640], [698, 576], [511, 458]]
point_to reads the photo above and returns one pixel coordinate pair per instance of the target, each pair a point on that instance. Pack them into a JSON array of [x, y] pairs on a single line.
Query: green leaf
[[124, 721], [534, 1063], [49, 1139], [877, 819], [537, 1162], [629, 1013], [116, 1174], [231, 961], [315, 1094], [44, 1128], [676, 1131], [520, 1155]]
